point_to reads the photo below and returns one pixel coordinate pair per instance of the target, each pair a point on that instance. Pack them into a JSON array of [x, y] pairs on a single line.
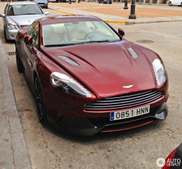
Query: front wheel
[[40, 102], [170, 4], [19, 62], [5, 36]]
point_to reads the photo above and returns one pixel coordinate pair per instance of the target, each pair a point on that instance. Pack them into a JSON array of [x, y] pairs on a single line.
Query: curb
[[115, 19], [20, 158], [123, 22]]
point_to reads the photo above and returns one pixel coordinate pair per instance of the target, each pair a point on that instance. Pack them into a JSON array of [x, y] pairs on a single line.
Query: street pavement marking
[[123, 22], [64, 12]]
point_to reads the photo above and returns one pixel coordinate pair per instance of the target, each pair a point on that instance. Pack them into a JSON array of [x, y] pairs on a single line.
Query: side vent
[[133, 53], [68, 60]]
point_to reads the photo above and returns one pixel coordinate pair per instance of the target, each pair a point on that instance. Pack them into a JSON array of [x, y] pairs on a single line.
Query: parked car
[[42, 3], [62, 1], [107, 2], [19, 14], [175, 2], [174, 160], [87, 78]]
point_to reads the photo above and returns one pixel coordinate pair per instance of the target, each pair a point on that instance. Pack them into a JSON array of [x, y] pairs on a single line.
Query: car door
[[175, 2], [179, 2], [31, 50]]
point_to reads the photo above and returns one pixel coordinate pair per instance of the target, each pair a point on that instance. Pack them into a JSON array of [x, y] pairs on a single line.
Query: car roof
[[21, 3], [67, 18]]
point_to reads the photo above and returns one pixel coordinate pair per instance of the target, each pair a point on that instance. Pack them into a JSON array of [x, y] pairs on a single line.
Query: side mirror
[[2, 15], [46, 13], [28, 39], [121, 32]]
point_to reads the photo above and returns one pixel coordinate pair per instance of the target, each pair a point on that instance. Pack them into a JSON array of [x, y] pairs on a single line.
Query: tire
[[19, 62], [41, 110], [170, 4], [5, 37], [110, 2]]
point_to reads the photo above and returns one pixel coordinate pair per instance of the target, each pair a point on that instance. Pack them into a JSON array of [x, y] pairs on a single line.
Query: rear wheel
[[19, 62], [170, 4], [40, 102]]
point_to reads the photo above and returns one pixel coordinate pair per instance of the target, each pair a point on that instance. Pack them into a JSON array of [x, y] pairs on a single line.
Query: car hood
[[24, 19], [107, 68]]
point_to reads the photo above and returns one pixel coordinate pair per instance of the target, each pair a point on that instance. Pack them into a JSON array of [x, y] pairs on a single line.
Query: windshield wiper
[[98, 41], [31, 14], [75, 43], [65, 44]]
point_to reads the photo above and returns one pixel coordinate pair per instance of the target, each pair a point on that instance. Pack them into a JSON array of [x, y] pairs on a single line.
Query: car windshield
[[78, 32], [25, 9]]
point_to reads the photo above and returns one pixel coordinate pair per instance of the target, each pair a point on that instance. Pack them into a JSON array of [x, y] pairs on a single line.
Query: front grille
[[124, 101]]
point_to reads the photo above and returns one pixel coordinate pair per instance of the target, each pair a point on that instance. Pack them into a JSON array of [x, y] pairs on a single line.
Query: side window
[[32, 27], [34, 32], [10, 11]]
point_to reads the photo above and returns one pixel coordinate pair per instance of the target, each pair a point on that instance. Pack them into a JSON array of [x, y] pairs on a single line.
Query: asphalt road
[[133, 149]]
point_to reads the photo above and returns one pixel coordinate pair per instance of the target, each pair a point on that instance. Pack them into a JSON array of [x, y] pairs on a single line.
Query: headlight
[[12, 27], [68, 85], [160, 73]]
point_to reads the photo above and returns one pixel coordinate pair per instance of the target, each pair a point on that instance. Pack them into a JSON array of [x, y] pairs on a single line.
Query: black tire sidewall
[[43, 120]]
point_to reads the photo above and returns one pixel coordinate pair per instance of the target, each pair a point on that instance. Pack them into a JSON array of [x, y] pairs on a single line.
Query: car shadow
[[106, 136]]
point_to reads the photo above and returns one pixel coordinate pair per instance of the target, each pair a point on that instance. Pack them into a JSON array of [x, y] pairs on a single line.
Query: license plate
[[129, 113]]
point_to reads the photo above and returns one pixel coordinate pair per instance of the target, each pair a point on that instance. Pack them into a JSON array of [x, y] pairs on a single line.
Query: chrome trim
[[161, 116], [127, 87], [124, 101]]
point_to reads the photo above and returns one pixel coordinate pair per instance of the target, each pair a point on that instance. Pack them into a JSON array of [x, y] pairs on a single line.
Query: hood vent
[[133, 53], [68, 60]]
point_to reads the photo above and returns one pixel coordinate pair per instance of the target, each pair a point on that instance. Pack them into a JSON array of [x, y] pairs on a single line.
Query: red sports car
[[87, 78]]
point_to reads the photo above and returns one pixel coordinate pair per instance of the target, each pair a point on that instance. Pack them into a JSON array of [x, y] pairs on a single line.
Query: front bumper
[[91, 126], [43, 5], [11, 34]]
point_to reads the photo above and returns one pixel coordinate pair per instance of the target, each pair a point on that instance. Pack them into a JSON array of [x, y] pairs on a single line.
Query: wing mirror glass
[[121, 32], [28, 39], [2, 15]]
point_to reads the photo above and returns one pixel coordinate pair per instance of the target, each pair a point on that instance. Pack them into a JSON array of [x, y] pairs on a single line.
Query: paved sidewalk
[[13, 150], [110, 13]]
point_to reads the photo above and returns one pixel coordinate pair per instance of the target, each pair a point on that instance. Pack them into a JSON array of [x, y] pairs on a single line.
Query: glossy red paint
[[169, 160], [104, 68]]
